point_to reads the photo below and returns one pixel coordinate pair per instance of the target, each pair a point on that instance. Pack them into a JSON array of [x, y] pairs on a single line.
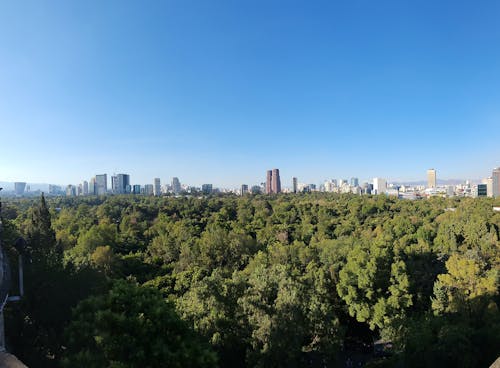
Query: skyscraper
[[379, 186], [101, 184], [123, 183], [149, 189], [273, 181], [269, 181], [354, 182], [176, 185], [206, 188], [431, 178], [295, 184], [19, 188], [157, 187], [85, 188], [495, 185], [244, 189], [276, 183], [92, 186]]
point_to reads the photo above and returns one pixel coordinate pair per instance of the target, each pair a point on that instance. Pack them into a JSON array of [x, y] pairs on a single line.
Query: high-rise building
[[269, 182], [176, 185], [79, 190], [85, 188], [149, 189], [70, 191], [92, 187], [244, 189], [206, 188], [157, 187], [482, 190], [495, 185], [54, 189], [255, 189], [489, 186], [123, 183], [119, 183], [295, 184], [273, 181], [379, 186], [19, 188], [114, 184], [431, 178], [101, 184], [354, 182], [136, 189]]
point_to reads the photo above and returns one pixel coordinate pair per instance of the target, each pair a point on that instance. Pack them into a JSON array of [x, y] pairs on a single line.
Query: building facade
[[431, 178], [101, 184]]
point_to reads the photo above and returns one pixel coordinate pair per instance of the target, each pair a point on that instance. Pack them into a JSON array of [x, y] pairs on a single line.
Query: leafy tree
[[132, 326]]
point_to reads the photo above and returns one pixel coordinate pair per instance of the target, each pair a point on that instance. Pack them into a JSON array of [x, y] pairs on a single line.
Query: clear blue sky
[[220, 91]]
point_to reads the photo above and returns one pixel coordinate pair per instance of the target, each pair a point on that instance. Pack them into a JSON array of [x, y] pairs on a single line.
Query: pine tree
[[41, 237]]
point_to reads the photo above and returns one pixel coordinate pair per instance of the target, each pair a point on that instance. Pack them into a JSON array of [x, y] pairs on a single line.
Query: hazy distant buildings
[[255, 189], [482, 190], [431, 178], [157, 187], [269, 181], [120, 184], [19, 188], [101, 184], [176, 185], [495, 184], [85, 188], [244, 189], [295, 185], [71, 191], [149, 189], [55, 189], [273, 181], [354, 182], [136, 189], [379, 186], [92, 186], [206, 188]]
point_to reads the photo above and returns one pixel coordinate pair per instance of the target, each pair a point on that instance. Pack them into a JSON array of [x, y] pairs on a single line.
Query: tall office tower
[[489, 186], [431, 178], [354, 182], [495, 185], [276, 181], [85, 188], [136, 189], [482, 190], [19, 188], [379, 185], [70, 191], [149, 189], [269, 182], [157, 187], [114, 184], [244, 189], [101, 184], [79, 190], [295, 184], [206, 188], [92, 187], [54, 189], [123, 183], [176, 185]]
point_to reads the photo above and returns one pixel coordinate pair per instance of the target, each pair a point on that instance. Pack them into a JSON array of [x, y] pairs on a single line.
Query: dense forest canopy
[[289, 280]]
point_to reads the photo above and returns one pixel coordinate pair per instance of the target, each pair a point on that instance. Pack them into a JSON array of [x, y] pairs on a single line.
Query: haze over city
[[220, 92]]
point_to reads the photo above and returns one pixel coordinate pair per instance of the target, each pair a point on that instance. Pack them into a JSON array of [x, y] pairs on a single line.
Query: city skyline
[[220, 93]]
